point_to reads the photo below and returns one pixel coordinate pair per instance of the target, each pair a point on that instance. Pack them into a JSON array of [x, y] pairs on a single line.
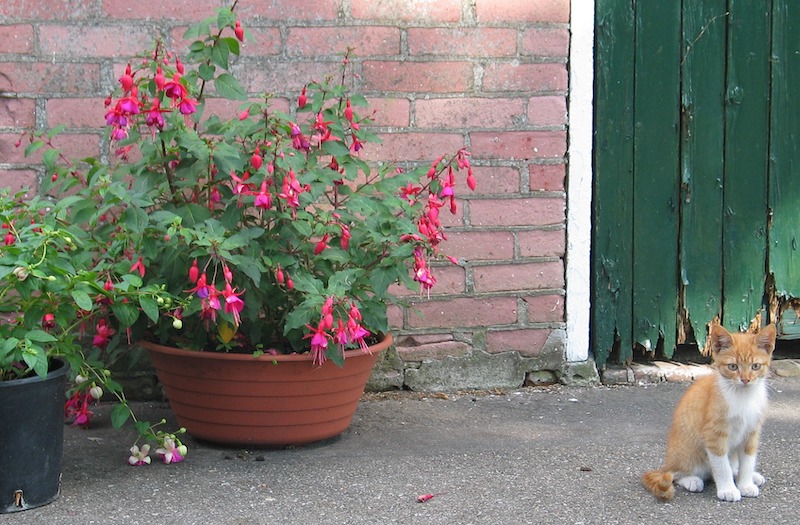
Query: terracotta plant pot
[[238, 399]]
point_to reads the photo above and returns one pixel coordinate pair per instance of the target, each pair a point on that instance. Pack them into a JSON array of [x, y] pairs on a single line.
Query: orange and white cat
[[716, 425]]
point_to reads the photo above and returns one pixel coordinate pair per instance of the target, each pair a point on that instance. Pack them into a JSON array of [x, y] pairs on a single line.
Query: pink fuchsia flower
[[138, 266], [263, 198], [171, 452], [103, 334], [319, 343], [238, 31], [77, 407], [302, 99], [233, 303], [48, 321], [139, 456]]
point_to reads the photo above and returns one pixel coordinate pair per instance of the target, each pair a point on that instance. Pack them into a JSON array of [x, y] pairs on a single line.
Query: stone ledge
[[661, 371]]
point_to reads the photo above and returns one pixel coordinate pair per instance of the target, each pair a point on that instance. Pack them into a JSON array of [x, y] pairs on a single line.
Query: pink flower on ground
[[170, 452], [139, 456]]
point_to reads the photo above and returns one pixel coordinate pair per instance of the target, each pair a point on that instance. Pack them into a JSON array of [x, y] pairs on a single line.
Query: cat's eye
[[733, 367], [755, 366]]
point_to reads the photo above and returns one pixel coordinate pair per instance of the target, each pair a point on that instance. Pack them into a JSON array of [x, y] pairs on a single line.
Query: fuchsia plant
[[266, 233]]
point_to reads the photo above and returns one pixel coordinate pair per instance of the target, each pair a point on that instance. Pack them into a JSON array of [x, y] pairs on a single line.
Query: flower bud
[[21, 273], [177, 324], [80, 379], [96, 392]]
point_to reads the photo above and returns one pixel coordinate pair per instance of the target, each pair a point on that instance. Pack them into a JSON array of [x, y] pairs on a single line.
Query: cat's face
[[743, 359]]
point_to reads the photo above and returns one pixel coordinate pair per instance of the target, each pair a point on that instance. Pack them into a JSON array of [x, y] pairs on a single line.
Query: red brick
[[464, 312], [496, 179], [16, 38], [17, 112], [289, 10], [101, 41], [72, 145], [522, 10], [542, 243], [405, 77], [432, 350], [284, 77], [316, 41], [412, 147], [547, 177], [517, 212], [528, 343], [17, 180], [545, 308], [46, 77], [193, 10], [395, 112], [519, 145], [392, 10], [76, 112], [548, 42], [528, 78], [524, 276], [468, 113], [475, 246], [48, 9], [472, 42], [547, 111]]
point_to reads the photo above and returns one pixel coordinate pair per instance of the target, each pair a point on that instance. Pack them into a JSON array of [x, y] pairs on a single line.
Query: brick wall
[[491, 73]]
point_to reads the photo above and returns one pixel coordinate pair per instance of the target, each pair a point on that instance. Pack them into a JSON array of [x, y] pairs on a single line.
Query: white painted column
[[579, 179]]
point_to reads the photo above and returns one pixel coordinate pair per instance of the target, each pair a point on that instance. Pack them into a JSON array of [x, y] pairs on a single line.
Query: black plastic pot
[[31, 439]]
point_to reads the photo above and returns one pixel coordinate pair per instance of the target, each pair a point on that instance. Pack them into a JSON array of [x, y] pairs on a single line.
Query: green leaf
[[220, 54], [31, 148], [125, 313], [36, 358], [149, 307], [40, 336], [135, 219], [227, 86], [232, 43], [225, 17], [206, 71], [83, 300], [335, 148], [119, 415]]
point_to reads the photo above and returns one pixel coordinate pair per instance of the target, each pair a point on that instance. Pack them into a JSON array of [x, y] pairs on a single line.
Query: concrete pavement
[[553, 455]]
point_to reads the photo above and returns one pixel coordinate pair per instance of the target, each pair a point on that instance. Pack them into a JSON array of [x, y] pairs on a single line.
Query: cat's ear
[[765, 339], [721, 339]]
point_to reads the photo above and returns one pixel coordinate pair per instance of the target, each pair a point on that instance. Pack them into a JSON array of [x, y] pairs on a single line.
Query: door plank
[[702, 153], [784, 190], [656, 174], [613, 180], [746, 148]]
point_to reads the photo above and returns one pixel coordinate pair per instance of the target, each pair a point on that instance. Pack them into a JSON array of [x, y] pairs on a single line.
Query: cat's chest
[[745, 413]]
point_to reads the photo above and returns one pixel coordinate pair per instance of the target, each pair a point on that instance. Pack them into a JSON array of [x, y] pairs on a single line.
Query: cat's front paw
[[758, 479], [732, 494], [749, 491]]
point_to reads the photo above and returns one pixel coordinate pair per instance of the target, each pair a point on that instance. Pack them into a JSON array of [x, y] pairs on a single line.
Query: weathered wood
[[702, 153], [613, 179], [746, 149], [656, 173], [784, 184]]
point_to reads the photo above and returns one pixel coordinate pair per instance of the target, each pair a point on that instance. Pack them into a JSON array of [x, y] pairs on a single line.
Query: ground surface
[[552, 455]]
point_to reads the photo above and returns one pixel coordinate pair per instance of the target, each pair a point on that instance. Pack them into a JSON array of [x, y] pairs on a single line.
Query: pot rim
[[57, 367], [383, 344]]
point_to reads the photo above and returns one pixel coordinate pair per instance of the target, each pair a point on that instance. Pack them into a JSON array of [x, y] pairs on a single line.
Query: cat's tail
[[659, 482]]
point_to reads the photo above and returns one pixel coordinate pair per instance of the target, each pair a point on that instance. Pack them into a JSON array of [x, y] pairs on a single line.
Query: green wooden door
[[696, 214]]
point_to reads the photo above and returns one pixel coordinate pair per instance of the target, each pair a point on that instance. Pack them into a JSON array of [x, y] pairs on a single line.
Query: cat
[[716, 425]]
